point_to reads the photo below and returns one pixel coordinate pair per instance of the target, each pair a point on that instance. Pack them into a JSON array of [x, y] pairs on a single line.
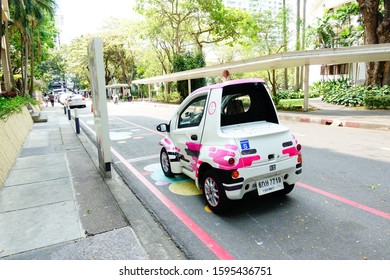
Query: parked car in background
[[62, 96], [228, 139], [76, 101], [57, 92]]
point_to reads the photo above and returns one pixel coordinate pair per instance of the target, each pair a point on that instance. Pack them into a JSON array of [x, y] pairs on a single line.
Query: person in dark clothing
[[51, 97]]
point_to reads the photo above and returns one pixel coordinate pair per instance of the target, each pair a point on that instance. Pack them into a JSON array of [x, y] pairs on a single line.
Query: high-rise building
[[275, 6]]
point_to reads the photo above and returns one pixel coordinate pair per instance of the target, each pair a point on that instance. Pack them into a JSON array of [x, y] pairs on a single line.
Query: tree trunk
[[383, 32], [376, 31], [297, 46], [8, 56], [25, 68], [31, 45], [285, 42]]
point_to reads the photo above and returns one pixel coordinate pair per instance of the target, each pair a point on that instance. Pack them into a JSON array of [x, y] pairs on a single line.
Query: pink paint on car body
[[227, 137]]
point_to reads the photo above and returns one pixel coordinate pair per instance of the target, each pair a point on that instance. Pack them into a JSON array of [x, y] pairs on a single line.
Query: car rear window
[[244, 103]]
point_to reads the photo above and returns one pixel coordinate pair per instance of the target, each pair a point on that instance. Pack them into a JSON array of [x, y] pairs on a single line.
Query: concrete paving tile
[[27, 152], [38, 227], [37, 139], [36, 174], [36, 194], [118, 244], [39, 161]]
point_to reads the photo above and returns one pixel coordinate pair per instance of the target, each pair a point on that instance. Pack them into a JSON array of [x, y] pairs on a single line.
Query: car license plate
[[270, 185]]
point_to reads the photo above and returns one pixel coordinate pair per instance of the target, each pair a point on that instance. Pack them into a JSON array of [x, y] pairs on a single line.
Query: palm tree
[[27, 15]]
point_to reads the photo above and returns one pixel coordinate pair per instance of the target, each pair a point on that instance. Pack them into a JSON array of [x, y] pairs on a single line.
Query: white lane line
[[132, 160]]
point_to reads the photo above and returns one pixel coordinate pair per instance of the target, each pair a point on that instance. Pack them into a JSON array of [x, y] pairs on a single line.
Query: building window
[[334, 69]]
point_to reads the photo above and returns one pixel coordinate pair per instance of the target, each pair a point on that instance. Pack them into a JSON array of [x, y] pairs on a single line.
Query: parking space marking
[[132, 160], [346, 201], [203, 236], [140, 126], [209, 242]]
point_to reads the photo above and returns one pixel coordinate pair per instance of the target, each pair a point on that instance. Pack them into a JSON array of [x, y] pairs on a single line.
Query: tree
[[285, 40], [76, 60], [376, 25], [268, 41], [52, 67], [177, 26], [27, 17], [120, 39], [189, 61], [337, 28]]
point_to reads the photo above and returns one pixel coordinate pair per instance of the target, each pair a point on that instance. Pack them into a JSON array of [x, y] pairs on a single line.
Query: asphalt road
[[338, 210]]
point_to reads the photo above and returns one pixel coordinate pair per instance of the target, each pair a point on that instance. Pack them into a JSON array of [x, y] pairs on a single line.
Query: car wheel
[[214, 193], [287, 188], [165, 163]]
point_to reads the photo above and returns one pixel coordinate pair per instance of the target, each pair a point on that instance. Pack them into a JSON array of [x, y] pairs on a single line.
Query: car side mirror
[[163, 127]]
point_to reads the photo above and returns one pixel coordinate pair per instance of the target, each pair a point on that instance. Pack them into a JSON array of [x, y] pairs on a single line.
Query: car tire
[[165, 163], [287, 188], [214, 193]]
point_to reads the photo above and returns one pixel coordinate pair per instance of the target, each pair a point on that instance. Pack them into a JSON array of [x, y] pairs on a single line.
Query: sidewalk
[[55, 204], [335, 115]]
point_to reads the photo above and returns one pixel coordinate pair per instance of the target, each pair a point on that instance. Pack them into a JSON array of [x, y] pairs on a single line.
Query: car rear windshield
[[245, 103]]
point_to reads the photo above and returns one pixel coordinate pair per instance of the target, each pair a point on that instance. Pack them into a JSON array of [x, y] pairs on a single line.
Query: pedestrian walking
[[51, 97], [115, 98], [46, 99]]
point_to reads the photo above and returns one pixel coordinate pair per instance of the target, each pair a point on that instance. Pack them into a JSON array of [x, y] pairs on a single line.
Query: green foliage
[[10, 104], [76, 59], [340, 92], [31, 34], [378, 98], [336, 28], [293, 94], [173, 97], [377, 102], [189, 61]]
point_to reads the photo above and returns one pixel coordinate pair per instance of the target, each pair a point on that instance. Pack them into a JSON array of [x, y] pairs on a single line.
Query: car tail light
[[299, 159], [235, 174], [299, 147], [231, 161], [69, 100]]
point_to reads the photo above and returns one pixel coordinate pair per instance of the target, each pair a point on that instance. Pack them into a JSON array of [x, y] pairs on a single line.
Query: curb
[[335, 122]]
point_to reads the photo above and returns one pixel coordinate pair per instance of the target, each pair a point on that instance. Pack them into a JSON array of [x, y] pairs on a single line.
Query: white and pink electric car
[[227, 138]]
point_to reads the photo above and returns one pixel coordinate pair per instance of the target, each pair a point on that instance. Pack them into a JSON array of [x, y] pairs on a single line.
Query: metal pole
[[76, 120], [189, 86], [69, 116], [306, 88], [64, 110]]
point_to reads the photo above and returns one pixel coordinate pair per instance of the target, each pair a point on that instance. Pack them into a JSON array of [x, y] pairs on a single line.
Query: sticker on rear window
[[245, 145]]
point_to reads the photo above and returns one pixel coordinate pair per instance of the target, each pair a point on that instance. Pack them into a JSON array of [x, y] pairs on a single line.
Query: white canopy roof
[[365, 53]]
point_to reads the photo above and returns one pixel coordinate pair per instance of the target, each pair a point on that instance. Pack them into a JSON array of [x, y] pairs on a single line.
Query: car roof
[[228, 83]]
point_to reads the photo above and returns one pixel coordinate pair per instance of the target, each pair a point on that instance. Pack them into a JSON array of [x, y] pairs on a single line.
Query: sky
[[86, 16]]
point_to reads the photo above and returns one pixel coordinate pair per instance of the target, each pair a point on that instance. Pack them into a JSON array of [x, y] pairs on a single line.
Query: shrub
[[292, 94], [340, 92], [10, 105], [377, 102]]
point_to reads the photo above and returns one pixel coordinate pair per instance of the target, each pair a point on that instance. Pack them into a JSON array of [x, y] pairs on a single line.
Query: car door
[[188, 133]]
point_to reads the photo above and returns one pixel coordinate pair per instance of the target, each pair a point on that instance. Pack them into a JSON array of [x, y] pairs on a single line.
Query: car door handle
[[194, 137]]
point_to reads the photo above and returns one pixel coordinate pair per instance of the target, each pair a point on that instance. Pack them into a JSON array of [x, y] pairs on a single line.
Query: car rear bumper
[[289, 170], [77, 106]]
